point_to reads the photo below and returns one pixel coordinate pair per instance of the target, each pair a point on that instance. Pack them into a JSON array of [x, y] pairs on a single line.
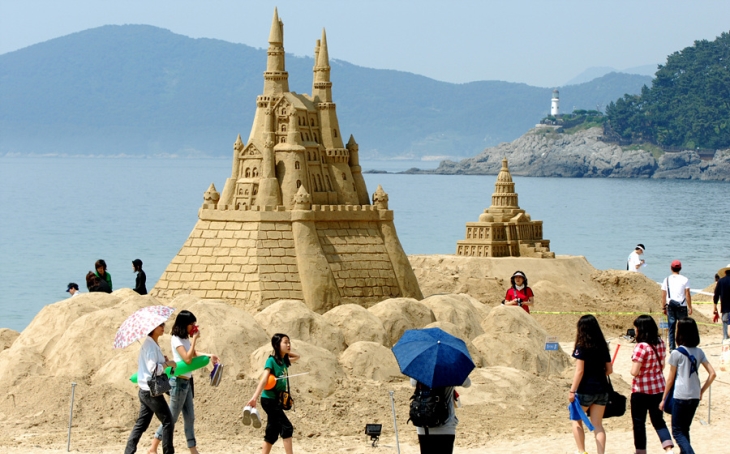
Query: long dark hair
[[648, 332], [183, 319], [137, 264], [276, 344], [589, 335], [687, 333]]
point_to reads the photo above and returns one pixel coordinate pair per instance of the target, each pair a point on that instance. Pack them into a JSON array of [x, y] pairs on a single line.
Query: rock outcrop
[[546, 153]]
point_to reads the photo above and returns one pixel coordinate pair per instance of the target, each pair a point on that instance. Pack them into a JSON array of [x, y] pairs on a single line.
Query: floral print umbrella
[[141, 323]]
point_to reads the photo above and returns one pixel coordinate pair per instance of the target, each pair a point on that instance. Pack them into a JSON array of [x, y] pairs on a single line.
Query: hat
[[640, 246], [722, 271], [72, 285], [676, 264], [519, 273]]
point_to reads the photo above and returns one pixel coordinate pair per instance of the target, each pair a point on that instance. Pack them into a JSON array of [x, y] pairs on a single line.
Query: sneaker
[[247, 415], [255, 419]]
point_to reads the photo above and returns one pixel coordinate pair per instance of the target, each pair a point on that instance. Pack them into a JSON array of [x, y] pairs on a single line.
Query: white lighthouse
[[555, 104]]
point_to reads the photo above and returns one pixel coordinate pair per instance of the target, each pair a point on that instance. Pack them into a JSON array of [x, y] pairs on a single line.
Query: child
[[684, 376], [277, 424], [590, 387]]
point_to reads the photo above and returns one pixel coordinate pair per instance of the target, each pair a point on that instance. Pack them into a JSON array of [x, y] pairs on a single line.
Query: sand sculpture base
[[327, 255]]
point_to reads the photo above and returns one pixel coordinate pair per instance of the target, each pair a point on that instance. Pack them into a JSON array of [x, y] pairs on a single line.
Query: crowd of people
[[676, 391], [101, 280]]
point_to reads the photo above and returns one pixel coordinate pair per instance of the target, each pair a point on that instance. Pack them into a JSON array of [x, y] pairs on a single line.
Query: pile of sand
[[346, 353], [564, 286]]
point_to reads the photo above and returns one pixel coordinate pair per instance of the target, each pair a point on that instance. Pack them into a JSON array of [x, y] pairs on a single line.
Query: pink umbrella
[[141, 323]]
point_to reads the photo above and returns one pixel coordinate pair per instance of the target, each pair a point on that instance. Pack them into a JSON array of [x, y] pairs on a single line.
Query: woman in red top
[[519, 294]]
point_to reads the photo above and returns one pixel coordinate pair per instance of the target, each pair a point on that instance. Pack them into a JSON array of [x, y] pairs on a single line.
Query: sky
[[538, 42]]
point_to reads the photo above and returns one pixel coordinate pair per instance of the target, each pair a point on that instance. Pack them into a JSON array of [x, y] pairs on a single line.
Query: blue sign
[[663, 323], [552, 346]]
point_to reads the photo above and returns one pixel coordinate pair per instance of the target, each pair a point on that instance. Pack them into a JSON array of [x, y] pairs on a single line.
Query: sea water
[[59, 215]]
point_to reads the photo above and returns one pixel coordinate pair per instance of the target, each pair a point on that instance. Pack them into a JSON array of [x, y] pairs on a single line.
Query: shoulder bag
[[616, 405], [672, 303], [285, 399], [159, 384]]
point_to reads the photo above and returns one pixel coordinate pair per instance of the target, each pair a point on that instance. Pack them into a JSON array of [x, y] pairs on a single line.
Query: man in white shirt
[[635, 262], [676, 299], [73, 289]]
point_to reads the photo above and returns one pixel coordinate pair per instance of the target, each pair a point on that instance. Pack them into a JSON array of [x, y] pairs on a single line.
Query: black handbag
[[159, 384], [616, 405], [285, 399]]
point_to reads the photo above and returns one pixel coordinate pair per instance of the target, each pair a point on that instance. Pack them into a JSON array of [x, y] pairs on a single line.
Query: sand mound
[[401, 314], [458, 311], [324, 371], [514, 339], [357, 324], [294, 318], [7, 337], [372, 361], [564, 287]]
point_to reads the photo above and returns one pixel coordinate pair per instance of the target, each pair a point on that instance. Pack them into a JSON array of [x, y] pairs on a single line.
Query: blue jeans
[[725, 321], [181, 399], [674, 314], [682, 413]]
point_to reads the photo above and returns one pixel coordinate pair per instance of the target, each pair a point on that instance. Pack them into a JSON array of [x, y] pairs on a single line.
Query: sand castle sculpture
[[294, 220], [504, 230]]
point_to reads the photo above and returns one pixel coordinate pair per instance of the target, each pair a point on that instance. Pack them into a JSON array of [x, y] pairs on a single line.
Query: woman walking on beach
[[151, 360], [590, 387], [277, 424], [141, 281], [647, 389], [684, 376], [185, 335]]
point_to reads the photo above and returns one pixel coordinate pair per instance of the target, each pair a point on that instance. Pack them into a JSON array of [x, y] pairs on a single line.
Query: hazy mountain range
[[143, 90]]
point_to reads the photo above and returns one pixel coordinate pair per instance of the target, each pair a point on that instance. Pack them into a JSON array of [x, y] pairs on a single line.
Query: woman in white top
[[185, 335], [151, 360]]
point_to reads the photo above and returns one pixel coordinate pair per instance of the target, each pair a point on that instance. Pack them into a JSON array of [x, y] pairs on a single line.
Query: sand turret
[[294, 221], [504, 230]]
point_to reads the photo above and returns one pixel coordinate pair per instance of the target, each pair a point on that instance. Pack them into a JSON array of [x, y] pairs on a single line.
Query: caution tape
[[612, 313]]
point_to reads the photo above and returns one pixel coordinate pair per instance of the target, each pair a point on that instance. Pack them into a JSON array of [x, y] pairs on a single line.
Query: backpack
[[429, 407]]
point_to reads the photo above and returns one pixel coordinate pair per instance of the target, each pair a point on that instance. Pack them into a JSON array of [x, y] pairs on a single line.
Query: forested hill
[[688, 104], [142, 90]]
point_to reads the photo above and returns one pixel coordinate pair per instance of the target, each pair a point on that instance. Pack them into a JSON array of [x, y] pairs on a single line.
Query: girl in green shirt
[[277, 424]]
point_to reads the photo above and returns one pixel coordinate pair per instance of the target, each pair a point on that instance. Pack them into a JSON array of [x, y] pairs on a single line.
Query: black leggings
[[276, 422]]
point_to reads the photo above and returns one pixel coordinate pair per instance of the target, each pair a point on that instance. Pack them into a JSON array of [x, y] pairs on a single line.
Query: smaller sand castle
[[504, 230]]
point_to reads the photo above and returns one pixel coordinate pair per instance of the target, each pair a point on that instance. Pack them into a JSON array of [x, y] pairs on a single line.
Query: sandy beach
[[512, 406]]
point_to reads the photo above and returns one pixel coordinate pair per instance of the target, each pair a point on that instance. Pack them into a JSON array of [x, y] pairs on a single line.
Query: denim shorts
[[586, 400]]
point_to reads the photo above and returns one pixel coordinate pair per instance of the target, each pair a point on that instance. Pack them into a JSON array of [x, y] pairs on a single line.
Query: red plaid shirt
[[651, 376]]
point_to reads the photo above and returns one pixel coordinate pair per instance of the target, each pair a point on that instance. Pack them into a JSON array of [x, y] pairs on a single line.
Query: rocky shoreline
[[543, 152]]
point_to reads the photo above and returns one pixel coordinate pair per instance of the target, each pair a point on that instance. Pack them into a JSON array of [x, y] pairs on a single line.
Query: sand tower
[[504, 230], [294, 220]]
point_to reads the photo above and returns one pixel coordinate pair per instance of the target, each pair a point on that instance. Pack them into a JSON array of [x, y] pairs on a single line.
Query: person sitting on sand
[[277, 424], [519, 294], [101, 272], [590, 387], [94, 284]]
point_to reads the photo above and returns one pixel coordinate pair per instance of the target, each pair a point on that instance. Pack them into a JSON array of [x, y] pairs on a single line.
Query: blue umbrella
[[433, 357]]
